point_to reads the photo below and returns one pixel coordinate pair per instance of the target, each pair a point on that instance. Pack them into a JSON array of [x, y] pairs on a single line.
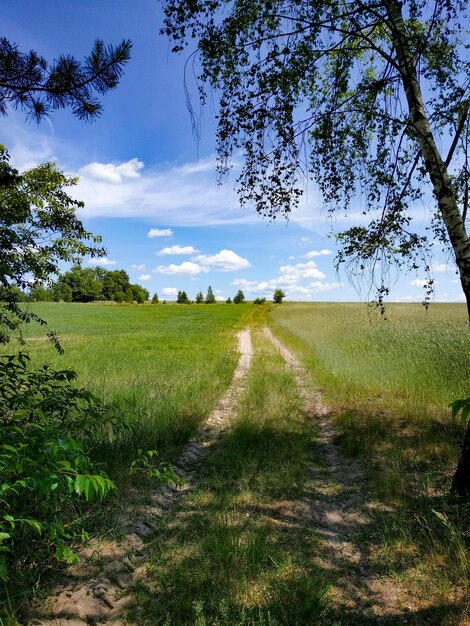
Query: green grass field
[[224, 557], [389, 383], [163, 366]]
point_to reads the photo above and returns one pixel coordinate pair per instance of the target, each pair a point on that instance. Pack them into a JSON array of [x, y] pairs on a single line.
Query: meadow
[[162, 367], [226, 556]]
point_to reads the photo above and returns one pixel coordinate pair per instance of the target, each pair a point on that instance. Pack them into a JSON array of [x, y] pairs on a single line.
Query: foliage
[[155, 299], [239, 297], [354, 96], [182, 297], [278, 296], [210, 298], [259, 300], [90, 284], [229, 300], [145, 467], [45, 471], [29, 82], [199, 298]]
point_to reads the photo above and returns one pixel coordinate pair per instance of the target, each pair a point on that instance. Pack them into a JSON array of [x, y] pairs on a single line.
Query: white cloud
[[145, 277], [104, 261], [223, 261], [304, 239], [170, 291], [111, 173], [319, 287], [159, 232], [443, 267], [314, 253], [177, 250], [299, 271], [418, 282], [291, 258], [188, 268], [220, 298], [138, 266]]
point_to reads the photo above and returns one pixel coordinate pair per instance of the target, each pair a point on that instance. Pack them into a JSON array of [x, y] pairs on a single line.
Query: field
[[246, 546]]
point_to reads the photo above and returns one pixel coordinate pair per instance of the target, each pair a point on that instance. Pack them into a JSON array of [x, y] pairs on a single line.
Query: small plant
[[144, 465]]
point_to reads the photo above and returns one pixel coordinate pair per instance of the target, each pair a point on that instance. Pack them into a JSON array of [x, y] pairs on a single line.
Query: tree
[[199, 298], [86, 283], [229, 300], [182, 297], [155, 299], [278, 296], [29, 82], [210, 298], [368, 97], [61, 292], [355, 96], [139, 294], [259, 301], [239, 297], [40, 293]]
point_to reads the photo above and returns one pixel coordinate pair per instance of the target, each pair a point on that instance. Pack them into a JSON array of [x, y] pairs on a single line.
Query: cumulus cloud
[[418, 282], [443, 267], [319, 287], [170, 291], [177, 250], [159, 232], [145, 277], [138, 266], [299, 271], [188, 268], [111, 173], [314, 253], [104, 261], [223, 261]]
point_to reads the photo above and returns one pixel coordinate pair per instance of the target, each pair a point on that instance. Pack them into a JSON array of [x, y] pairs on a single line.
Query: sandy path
[[336, 504], [98, 590]]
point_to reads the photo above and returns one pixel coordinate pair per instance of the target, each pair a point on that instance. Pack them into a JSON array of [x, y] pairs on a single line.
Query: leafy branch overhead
[[29, 82], [369, 99]]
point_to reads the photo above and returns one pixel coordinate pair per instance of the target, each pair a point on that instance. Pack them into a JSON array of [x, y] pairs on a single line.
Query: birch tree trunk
[[442, 188]]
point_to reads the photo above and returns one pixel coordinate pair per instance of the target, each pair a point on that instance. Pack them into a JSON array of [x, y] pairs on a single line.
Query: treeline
[[89, 285], [239, 297]]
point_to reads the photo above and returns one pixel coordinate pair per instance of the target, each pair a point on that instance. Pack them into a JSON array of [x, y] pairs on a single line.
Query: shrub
[[259, 300], [239, 297], [278, 296], [45, 471]]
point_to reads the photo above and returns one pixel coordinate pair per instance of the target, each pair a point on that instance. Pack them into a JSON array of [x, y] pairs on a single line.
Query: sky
[[151, 191]]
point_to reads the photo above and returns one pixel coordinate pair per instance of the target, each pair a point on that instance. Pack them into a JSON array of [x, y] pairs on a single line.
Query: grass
[[227, 557], [389, 383], [163, 367]]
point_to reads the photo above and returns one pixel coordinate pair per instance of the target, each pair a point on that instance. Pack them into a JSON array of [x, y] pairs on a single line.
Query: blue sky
[[152, 193]]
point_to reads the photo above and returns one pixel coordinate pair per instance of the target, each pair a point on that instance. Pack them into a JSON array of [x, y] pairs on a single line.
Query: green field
[[224, 556], [164, 366]]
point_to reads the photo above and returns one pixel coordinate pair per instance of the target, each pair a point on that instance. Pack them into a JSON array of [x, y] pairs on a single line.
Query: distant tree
[[259, 300], [210, 298], [29, 82], [199, 298], [229, 300], [182, 297], [41, 293], [61, 292], [239, 297], [85, 283], [155, 299], [278, 296], [139, 294]]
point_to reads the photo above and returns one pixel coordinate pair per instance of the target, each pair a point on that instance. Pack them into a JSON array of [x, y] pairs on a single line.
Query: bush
[[45, 471], [259, 300], [239, 297]]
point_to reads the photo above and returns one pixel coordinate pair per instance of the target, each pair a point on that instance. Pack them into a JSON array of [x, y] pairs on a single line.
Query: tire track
[[336, 504], [99, 589]]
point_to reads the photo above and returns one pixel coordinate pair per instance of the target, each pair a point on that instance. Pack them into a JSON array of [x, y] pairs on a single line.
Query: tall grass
[[389, 383], [413, 362], [227, 557], [163, 367]]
